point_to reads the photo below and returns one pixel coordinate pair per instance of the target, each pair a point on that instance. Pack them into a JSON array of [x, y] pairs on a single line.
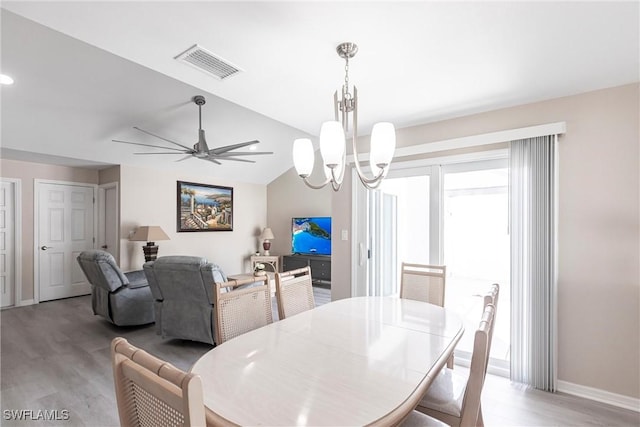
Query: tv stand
[[320, 266]]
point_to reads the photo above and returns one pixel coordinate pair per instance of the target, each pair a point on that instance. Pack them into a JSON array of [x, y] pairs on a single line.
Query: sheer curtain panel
[[532, 184]]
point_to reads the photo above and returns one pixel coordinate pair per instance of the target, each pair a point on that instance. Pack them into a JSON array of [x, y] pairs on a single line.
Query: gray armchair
[[123, 299], [183, 290]]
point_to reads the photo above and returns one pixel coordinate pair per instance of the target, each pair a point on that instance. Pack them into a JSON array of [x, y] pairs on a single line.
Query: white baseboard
[[26, 302], [598, 395]]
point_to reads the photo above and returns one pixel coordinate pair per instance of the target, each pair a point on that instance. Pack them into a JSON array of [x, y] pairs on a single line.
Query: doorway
[[109, 219], [65, 226], [10, 241]]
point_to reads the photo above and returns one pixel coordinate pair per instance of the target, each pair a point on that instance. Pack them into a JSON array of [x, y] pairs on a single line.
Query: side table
[[271, 260]]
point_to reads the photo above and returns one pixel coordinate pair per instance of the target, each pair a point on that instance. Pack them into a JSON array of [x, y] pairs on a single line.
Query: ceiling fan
[[200, 149]]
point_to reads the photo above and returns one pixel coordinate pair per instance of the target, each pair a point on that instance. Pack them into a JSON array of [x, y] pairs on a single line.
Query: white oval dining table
[[356, 361]]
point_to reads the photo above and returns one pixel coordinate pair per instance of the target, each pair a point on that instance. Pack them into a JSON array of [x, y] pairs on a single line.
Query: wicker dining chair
[[242, 310], [294, 292], [152, 392], [492, 298], [423, 282], [454, 398]]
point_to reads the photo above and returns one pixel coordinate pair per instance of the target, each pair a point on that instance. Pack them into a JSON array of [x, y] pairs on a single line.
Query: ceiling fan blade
[[188, 156], [226, 148], [211, 160], [149, 145], [243, 153], [235, 159], [164, 139], [164, 152]]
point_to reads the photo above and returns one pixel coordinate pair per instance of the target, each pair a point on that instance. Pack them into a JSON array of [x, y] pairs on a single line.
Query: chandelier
[[333, 139]]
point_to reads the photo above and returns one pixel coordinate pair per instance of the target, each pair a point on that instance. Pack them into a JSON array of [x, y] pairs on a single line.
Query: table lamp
[[149, 234], [266, 236]]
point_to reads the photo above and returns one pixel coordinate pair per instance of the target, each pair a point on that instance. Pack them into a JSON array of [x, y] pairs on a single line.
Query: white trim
[[557, 128], [401, 168], [619, 400], [556, 252], [355, 235], [100, 208], [359, 236], [17, 239], [36, 226], [27, 302], [476, 156], [478, 165]]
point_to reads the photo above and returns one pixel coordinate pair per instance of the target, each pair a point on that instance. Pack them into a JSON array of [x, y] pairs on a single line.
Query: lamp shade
[[332, 145], [267, 234], [303, 156], [149, 233], [383, 143]]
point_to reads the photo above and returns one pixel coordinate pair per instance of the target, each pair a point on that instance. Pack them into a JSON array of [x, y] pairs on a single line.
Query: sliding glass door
[[383, 211], [411, 195], [476, 248], [454, 215]]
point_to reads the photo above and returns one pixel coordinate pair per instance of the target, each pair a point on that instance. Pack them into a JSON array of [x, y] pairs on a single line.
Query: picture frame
[[204, 207]]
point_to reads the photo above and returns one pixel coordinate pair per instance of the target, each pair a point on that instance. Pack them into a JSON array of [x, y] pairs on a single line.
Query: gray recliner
[[123, 299], [183, 290]]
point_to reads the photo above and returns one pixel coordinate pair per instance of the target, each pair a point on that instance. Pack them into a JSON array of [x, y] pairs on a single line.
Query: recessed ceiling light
[[5, 80], [253, 147]]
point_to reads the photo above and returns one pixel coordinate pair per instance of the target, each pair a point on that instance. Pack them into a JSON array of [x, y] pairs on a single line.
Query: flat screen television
[[311, 235]]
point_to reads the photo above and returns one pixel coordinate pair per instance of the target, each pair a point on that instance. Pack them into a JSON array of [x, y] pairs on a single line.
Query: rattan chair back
[[423, 282], [294, 292], [152, 392], [241, 310]]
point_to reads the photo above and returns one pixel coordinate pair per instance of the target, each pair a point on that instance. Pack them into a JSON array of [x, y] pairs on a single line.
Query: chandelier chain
[[346, 77]]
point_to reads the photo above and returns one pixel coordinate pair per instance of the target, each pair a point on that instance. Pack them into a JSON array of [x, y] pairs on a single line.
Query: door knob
[[104, 246], [44, 248]]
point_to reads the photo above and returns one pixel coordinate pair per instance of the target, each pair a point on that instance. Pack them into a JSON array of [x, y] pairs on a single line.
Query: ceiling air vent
[[206, 61]]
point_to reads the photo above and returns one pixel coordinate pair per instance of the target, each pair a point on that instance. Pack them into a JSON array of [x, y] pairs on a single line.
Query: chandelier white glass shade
[[333, 140]]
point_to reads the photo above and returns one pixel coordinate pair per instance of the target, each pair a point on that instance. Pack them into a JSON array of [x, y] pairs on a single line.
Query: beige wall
[[148, 197], [109, 175], [341, 249], [28, 172], [599, 232]]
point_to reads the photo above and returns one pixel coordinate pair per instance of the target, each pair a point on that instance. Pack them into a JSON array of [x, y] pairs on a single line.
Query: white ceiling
[[418, 62]]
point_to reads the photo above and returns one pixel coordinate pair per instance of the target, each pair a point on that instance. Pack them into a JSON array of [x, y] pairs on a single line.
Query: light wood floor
[[55, 356]]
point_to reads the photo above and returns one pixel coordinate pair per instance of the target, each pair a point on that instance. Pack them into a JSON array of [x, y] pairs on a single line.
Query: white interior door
[[7, 243], [65, 228], [108, 212]]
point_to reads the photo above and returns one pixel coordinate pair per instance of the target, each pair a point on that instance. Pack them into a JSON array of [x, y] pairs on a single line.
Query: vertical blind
[[532, 218]]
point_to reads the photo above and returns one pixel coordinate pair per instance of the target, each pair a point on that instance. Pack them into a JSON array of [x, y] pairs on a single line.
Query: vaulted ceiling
[[87, 72]]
